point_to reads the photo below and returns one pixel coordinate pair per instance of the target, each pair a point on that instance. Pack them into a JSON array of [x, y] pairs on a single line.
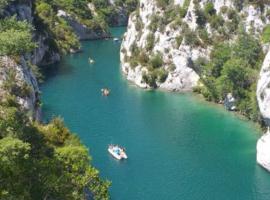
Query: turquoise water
[[179, 146]]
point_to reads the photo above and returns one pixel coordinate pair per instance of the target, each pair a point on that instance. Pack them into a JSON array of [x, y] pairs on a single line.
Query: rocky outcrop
[[263, 151], [229, 102], [263, 89], [43, 54], [81, 30], [170, 42], [263, 98], [17, 78]]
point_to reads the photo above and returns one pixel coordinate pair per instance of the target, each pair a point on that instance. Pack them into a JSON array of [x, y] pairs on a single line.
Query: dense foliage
[[15, 37], [233, 68], [61, 35], [266, 34], [96, 15], [43, 161]]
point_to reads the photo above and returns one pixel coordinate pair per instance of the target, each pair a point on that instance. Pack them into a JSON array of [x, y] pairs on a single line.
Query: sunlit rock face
[[19, 76], [263, 151], [168, 40], [263, 89]]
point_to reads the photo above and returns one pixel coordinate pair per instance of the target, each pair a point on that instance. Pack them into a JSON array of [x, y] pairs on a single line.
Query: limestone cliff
[[263, 151], [170, 30], [43, 54], [263, 89], [81, 30], [263, 97], [174, 32], [24, 84], [17, 78]]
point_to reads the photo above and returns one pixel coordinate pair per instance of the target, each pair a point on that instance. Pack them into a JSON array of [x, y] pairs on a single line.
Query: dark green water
[[179, 147]]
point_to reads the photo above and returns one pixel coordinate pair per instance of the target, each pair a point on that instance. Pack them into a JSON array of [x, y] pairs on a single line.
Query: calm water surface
[[179, 147]]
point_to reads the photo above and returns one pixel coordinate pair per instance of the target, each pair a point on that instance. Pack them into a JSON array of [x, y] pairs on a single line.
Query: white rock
[[183, 78], [263, 89], [61, 13], [23, 75], [263, 151]]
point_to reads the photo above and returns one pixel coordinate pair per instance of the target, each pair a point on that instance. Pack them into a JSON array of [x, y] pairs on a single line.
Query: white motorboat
[[116, 39], [117, 152]]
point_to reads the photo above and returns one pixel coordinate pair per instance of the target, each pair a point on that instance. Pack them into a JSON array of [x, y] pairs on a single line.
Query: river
[[179, 146]]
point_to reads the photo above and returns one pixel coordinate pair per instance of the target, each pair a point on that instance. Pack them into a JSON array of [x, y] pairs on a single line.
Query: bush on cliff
[[15, 37]]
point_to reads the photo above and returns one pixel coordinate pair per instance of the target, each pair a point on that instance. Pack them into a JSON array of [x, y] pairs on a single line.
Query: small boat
[[91, 61], [105, 91], [115, 39], [117, 152]]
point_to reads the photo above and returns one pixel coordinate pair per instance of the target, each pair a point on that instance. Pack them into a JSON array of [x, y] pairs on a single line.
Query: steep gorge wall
[[152, 30], [43, 54], [170, 38], [21, 70]]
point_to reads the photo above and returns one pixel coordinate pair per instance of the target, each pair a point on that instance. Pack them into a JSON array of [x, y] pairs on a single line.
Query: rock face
[[25, 86], [263, 98], [43, 54], [82, 31], [263, 89], [263, 151], [169, 41], [182, 78], [18, 79], [229, 102]]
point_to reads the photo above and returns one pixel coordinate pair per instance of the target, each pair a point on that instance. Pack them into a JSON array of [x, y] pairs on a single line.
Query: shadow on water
[[56, 69]]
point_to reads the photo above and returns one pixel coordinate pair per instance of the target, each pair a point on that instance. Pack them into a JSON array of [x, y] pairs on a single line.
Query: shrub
[[156, 61], [209, 8], [133, 63], [15, 37], [153, 26], [162, 3], [192, 39], [171, 67], [224, 9], [184, 8], [150, 79], [216, 21], [150, 39], [178, 40], [266, 34], [143, 58], [134, 49], [138, 24], [162, 75], [201, 17]]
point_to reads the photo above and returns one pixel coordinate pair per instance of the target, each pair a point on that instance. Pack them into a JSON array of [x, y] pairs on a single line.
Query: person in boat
[[91, 61], [105, 91]]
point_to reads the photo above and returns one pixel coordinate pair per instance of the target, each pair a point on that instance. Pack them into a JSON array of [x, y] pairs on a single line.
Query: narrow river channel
[[179, 147]]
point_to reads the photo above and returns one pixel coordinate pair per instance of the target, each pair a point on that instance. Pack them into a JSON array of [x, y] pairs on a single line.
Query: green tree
[[15, 37], [14, 163]]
